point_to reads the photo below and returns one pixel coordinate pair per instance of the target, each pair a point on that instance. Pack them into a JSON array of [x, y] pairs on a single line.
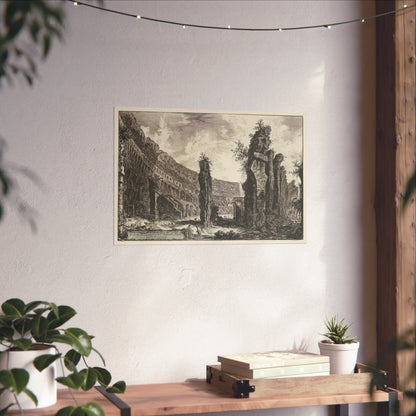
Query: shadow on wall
[[357, 200], [367, 215]]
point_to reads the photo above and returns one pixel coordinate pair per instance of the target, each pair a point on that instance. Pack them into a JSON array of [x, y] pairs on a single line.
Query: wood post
[[395, 164]]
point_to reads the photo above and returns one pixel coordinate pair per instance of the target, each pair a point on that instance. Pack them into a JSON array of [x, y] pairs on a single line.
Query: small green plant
[[24, 326], [337, 331]]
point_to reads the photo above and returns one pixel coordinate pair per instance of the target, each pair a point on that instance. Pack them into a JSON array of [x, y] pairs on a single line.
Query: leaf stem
[[63, 373], [18, 403]]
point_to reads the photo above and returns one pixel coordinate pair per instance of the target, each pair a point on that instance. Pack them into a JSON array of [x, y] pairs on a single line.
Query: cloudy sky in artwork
[[185, 135]]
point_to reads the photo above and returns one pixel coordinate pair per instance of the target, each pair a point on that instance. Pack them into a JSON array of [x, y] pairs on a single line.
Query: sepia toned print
[[194, 177]]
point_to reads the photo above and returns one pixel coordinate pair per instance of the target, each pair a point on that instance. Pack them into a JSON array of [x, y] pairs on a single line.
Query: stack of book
[[275, 364]]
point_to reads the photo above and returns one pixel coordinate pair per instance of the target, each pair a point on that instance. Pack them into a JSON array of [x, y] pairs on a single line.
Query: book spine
[[293, 370], [235, 363], [257, 363]]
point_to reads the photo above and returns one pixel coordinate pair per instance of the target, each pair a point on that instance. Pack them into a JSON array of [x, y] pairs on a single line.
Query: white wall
[[161, 313]]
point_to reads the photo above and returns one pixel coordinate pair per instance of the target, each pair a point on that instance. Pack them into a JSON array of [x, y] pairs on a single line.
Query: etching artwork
[[192, 177]]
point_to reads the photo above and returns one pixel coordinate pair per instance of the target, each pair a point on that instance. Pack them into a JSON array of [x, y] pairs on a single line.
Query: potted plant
[[341, 347], [31, 336]]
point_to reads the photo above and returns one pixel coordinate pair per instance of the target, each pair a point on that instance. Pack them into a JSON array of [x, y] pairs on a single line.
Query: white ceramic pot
[[342, 357], [42, 384]]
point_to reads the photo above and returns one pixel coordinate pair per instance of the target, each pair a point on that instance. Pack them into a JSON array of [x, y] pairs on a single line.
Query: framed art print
[[184, 176]]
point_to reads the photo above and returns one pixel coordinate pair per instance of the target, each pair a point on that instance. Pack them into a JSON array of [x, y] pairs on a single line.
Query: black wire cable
[[244, 29]]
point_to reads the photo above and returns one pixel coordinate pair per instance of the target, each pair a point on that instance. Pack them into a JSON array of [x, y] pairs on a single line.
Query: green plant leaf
[[98, 353], [50, 13], [90, 379], [410, 393], [4, 411], [15, 28], [28, 78], [14, 380], [6, 379], [22, 343], [65, 411], [4, 179], [4, 54], [73, 381], [88, 409], [119, 387], [34, 29], [410, 189], [54, 309], [46, 45], [13, 307], [337, 331], [103, 376], [14, 10], [6, 332], [93, 409], [50, 335], [31, 396], [44, 361], [59, 315], [406, 341], [71, 360], [78, 339], [39, 327], [22, 325], [33, 305]]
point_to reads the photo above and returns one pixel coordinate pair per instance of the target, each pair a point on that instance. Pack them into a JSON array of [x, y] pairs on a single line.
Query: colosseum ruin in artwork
[[184, 176]]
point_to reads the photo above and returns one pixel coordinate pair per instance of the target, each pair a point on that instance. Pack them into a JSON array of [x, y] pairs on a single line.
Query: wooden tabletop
[[199, 397], [65, 399]]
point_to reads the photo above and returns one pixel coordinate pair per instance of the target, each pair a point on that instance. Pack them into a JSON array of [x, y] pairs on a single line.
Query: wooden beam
[[395, 163]]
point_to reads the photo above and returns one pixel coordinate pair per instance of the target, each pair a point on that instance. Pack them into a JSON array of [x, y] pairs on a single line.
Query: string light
[[246, 29]]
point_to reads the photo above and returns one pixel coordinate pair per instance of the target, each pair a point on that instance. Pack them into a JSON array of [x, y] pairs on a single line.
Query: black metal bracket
[[381, 380], [242, 389], [341, 410], [380, 377], [393, 402], [125, 409], [390, 408]]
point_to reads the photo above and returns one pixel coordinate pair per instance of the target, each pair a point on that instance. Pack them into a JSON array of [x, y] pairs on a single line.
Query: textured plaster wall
[[161, 313]]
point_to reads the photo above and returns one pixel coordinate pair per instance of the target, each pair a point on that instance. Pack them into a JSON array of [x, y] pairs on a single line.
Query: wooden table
[[197, 396]]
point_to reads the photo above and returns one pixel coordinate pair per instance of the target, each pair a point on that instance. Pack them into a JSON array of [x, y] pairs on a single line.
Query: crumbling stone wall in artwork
[[205, 192], [258, 187], [168, 208], [267, 195], [280, 197]]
